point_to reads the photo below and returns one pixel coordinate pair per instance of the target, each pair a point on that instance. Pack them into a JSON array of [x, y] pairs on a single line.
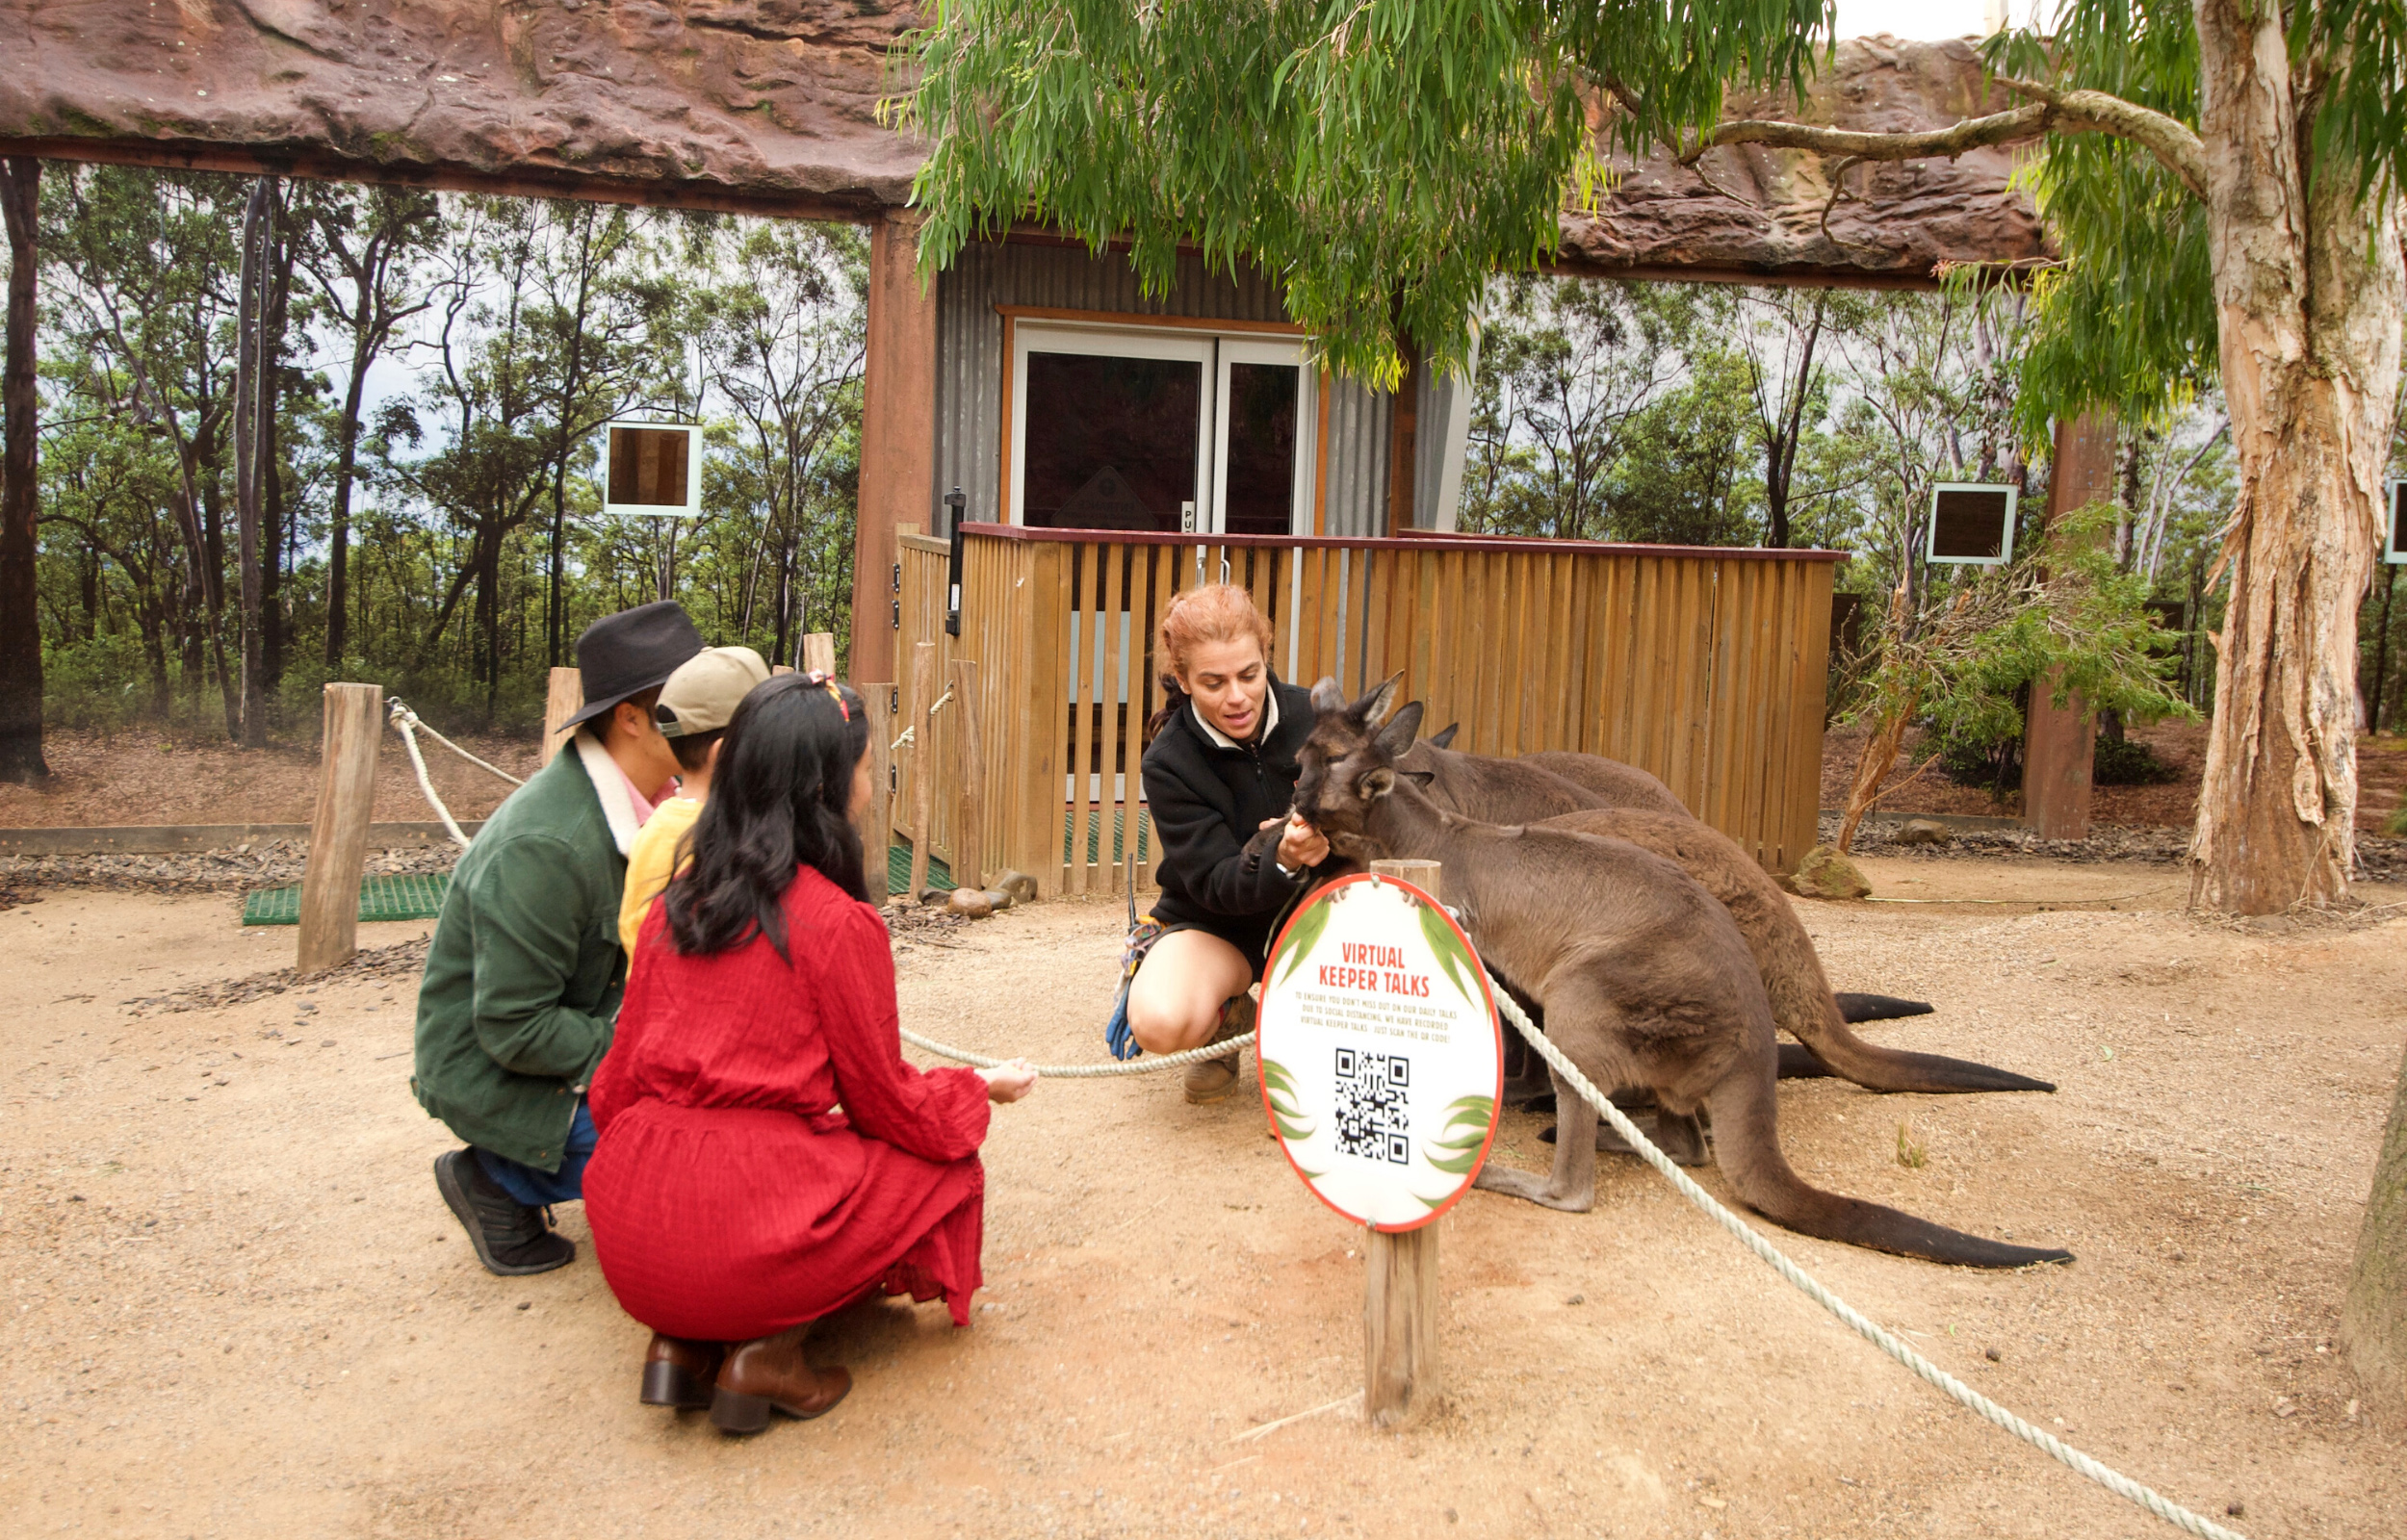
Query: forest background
[[441, 365]]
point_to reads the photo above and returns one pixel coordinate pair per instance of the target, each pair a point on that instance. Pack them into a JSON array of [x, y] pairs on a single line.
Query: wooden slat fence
[[1704, 666]]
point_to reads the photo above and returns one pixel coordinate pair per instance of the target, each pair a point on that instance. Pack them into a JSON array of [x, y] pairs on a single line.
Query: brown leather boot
[[1211, 1080], [679, 1372], [768, 1374]]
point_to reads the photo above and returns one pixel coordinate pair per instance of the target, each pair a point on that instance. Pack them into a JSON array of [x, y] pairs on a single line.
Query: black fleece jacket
[[1219, 870]]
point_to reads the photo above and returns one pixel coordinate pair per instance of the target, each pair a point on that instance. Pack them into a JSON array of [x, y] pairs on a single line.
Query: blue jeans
[[536, 1187]]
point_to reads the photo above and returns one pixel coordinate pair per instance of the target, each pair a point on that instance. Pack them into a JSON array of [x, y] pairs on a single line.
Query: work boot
[[1210, 1080], [679, 1371], [768, 1374], [511, 1239]]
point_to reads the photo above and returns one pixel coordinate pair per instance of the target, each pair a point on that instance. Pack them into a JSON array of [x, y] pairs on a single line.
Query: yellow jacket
[[650, 863]]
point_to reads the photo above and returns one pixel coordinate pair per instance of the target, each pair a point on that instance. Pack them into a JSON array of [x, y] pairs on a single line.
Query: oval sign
[[1380, 1056]]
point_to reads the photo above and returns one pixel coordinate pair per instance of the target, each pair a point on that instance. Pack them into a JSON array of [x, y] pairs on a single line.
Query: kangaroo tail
[[1879, 1068], [1746, 1146], [1879, 1006]]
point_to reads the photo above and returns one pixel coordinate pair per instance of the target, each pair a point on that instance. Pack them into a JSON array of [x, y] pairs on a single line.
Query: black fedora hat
[[628, 652]]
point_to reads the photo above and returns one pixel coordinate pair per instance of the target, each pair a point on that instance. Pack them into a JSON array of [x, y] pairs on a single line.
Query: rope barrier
[[403, 720], [419, 723], [1954, 1389], [1149, 1064]]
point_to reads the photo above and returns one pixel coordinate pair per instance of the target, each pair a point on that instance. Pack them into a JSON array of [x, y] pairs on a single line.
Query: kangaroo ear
[[1373, 706], [1326, 697], [1397, 735], [1419, 777], [1376, 784], [1443, 737]]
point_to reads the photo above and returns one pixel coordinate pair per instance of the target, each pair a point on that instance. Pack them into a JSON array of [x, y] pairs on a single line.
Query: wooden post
[[1400, 1374], [564, 699], [968, 769], [922, 697], [877, 819], [818, 653], [2059, 742], [338, 836]]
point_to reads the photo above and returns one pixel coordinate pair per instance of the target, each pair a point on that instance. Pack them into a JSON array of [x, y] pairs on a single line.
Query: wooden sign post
[[818, 653], [338, 833], [1401, 1380], [563, 697], [1381, 1068]]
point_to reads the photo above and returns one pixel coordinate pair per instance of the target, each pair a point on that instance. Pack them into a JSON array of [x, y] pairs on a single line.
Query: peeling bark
[[2308, 295]]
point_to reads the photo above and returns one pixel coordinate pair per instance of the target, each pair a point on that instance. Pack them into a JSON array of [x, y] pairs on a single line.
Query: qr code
[[1374, 1106]]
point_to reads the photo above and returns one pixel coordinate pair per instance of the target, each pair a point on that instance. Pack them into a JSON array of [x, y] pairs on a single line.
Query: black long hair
[[778, 803]]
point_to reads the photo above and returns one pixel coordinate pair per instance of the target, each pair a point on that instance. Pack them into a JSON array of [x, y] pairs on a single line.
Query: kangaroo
[[1540, 786], [1644, 977]]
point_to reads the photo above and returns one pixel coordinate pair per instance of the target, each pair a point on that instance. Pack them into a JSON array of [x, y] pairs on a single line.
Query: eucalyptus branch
[[2174, 144]]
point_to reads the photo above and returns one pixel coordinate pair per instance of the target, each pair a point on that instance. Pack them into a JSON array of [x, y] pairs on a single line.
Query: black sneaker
[[511, 1239]]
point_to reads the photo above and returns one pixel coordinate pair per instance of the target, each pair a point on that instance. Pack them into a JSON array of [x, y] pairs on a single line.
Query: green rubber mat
[[898, 869], [380, 898], [1095, 839]]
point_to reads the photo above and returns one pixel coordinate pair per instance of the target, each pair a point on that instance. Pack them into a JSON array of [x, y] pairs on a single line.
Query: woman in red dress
[[731, 1202]]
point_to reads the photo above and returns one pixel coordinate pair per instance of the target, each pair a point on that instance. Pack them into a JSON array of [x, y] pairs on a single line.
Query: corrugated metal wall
[[970, 368]]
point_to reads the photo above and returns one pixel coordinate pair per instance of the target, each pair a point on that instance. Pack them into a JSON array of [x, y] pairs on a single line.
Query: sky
[[1928, 19]]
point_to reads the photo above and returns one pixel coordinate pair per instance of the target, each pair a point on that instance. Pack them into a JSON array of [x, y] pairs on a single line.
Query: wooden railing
[[1704, 666]]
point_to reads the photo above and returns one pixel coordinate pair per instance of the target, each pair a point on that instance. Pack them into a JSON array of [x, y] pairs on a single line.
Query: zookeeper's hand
[[1302, 845], [1008, 1081]]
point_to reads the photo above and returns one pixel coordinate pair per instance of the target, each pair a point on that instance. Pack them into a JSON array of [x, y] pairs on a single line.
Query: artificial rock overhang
[[769, 106]]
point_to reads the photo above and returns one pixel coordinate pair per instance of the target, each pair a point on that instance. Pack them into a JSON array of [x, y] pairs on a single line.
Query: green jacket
[[525, 972]]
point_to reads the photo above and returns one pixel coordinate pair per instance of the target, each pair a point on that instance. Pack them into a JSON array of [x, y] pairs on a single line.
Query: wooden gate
[[1703, 666]]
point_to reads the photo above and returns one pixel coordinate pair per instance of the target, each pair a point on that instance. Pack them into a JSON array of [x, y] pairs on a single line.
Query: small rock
[[970, 904], [2236, 1509], [1925, 832], [1020, 885], [1824, 873], [998, 900], [933, 896], [1992, 1354], [1577, 1300], [525, 1304]]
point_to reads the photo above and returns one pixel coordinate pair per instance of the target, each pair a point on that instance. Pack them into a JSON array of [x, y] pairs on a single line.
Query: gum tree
[[2224, 177]]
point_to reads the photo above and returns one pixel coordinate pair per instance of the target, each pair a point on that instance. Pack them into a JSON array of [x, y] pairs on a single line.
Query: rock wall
[[770, 104]]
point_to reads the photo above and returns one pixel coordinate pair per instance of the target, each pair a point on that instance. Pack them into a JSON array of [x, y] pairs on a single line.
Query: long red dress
[[729, 1198]]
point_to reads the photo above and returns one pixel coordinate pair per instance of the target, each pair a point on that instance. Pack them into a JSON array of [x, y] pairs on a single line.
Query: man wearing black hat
[[525, 972]]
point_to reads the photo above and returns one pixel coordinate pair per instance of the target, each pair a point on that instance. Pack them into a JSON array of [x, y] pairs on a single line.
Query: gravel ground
[[2379, 860]]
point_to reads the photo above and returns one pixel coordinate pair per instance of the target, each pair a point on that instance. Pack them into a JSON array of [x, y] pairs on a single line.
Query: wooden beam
[[898, 434], [338, 834], [917, 704], [877, 819], [968, 771], [1400, 1302]]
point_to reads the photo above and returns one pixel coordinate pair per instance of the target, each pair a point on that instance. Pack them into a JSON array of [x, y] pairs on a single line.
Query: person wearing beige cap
[[695, 706]]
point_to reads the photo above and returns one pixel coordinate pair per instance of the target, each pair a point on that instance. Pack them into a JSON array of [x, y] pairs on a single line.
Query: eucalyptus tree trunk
[[21, 628], [2308, 294]]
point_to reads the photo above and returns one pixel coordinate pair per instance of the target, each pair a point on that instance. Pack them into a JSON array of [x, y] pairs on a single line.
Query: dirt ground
[[147, 776], [237, 1307], [2381, 780]]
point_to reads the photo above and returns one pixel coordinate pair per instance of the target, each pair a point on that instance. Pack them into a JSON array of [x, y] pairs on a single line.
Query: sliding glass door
[[1159, 429]]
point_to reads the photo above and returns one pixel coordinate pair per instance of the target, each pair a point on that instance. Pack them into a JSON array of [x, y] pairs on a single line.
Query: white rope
[[419, 723], [1151, 1064], [402, 719], [1954, 1389]]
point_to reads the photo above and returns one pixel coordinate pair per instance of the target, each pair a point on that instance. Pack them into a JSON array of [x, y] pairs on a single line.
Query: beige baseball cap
[[703, 694]]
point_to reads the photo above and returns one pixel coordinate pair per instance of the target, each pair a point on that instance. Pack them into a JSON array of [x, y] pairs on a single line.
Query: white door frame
[[1106, 342], [1266, 351]]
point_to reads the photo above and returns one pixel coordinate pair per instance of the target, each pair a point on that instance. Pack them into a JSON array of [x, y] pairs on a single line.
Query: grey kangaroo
[[1645, 978]]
